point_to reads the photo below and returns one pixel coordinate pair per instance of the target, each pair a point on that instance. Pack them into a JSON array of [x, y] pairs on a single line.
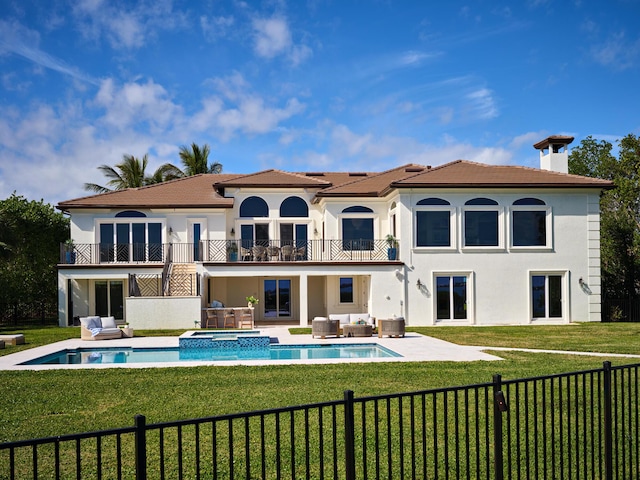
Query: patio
[[413, 348]]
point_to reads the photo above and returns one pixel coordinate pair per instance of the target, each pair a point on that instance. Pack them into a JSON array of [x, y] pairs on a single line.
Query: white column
[[304, 300]]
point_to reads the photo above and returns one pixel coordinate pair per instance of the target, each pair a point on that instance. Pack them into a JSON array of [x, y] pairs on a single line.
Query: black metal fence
[[219, 251], [621, 309], [21, 314], [580, 425]]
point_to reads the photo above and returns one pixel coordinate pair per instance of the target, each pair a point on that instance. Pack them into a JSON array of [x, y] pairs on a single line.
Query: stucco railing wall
[[162, 312]]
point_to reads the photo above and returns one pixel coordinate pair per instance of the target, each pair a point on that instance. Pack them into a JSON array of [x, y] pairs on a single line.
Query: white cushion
[[108, 322], [90, 322], [110, 331], [320, 318], [344, 318]]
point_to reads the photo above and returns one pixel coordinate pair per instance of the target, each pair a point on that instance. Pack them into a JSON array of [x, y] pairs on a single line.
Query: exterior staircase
[[183, 280]]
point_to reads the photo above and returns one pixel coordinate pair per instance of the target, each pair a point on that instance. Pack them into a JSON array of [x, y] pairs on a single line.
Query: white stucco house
[[476, 245]]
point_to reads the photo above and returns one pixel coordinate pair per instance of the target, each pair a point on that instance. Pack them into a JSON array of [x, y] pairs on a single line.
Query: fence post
[[499, 406], [349, 436], [141, 447], [607, 422]]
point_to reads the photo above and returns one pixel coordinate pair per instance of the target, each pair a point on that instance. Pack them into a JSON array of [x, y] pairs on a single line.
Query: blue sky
[[305, 85]]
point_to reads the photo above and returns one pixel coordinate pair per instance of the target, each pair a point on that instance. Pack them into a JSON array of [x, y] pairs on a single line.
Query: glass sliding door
[[155, 242], [277, 298], [106, 242], [109, 298], [139, 241]]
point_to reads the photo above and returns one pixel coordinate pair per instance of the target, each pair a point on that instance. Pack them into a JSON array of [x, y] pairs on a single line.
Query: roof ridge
[[372, 175]]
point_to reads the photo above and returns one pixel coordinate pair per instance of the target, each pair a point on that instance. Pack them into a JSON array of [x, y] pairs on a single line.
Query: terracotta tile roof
[[204, 191], [274, 179], [195, 191], [463, 173], [372, 185]]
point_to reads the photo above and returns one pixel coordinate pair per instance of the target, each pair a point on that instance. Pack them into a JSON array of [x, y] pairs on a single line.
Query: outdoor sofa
[[323, 326], [99, 328]]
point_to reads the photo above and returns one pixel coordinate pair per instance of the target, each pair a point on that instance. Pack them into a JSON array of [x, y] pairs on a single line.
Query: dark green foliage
[[131, 173], [196, 160], [620, 210], [30, 236]]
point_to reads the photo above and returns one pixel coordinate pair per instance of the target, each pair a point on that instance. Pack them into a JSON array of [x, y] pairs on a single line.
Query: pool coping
[[414, 347]]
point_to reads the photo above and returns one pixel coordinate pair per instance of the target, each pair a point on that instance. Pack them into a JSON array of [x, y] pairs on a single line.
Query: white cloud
[[135, 103], [216, 27], [18, 40], [347, 150], [482, 103], [617, 52], [125, 26], [529, 138], [272, 36]]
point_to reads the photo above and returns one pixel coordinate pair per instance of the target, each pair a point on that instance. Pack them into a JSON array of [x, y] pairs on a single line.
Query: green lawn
[[44, 403]]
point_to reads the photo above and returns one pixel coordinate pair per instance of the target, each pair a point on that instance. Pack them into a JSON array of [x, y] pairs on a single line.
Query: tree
[[30, 233], [196, 160], [130, 173], [619, 210]]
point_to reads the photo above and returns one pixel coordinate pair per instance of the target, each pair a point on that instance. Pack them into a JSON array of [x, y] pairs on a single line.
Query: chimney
[[554, 153]]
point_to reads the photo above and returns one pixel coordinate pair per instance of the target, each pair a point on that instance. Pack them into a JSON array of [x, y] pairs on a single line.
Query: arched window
[[254, 207], [529, 201], [529, 222], [294, 207], [432, 201], [433, 223], [357, 209], [357, 231], [481, 201], [481, 226], [130, 214]]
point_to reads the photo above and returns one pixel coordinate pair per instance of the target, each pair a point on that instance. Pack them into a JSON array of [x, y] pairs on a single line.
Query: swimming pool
[[131, 355]]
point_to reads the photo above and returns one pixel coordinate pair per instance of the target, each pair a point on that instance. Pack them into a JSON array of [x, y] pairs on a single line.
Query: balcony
[[227, 251]]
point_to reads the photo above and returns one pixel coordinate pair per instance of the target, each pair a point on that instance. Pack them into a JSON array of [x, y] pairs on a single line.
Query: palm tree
[[130, 173], [196, 160]]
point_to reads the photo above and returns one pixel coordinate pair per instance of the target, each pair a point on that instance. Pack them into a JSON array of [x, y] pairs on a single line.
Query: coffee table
[[357, 330]]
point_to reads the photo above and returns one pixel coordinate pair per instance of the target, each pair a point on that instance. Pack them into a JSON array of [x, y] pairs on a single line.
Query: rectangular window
[[546, 296], [433, 228], [346, 290], [451, 297], [529, 228], [481, 228]]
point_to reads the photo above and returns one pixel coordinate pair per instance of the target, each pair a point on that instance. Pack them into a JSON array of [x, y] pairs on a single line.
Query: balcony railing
[[222, 251]]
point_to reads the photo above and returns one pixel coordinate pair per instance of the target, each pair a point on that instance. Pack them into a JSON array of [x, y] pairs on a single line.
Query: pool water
[[164, 355]]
